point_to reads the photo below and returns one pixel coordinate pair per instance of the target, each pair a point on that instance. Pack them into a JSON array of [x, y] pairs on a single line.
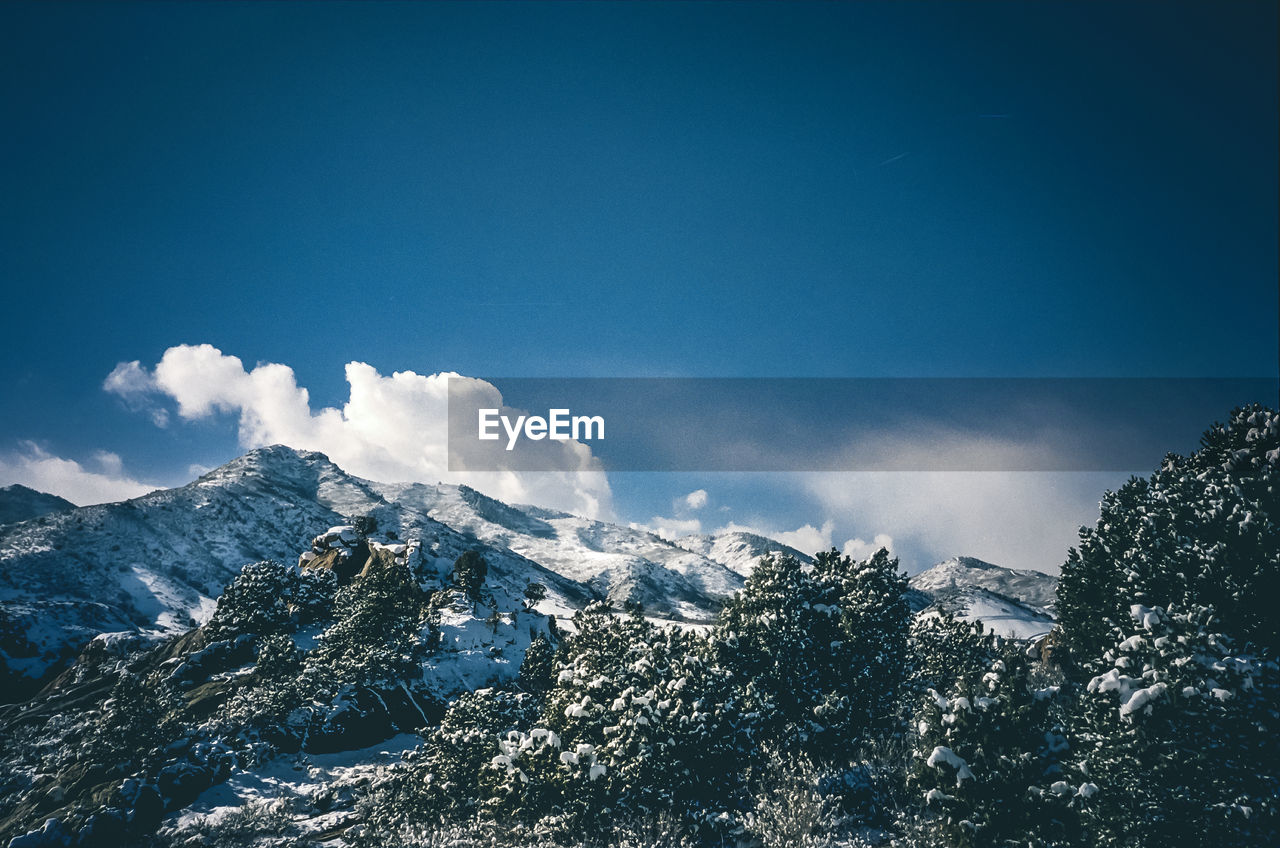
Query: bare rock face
[[356, 558]]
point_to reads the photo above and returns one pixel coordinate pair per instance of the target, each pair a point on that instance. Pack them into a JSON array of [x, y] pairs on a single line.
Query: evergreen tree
[[256, 602], [135, 723], [364, 525], [945, 650], [537, 671], [374, 640], [1166, 733], [450, 777], [819, 655], [988, 759], [874, 623], [1177, 737], [632, 724], [1204, 530], [534, 593], [469, 572], [269, 597]]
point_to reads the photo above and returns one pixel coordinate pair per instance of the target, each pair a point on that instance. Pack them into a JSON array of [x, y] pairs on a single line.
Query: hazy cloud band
[[862, 424]]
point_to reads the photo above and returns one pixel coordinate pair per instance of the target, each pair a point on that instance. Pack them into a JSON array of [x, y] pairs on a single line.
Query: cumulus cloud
[[808, 538], [392, 428], [670, 529], [1018, 519], [129, 380], [33, 466], [696, 499], [861, 549]]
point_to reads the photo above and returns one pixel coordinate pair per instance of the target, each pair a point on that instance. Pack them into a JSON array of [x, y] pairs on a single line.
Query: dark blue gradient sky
[[647, 189]]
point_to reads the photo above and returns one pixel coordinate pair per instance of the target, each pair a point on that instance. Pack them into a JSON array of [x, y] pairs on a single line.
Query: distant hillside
[[20, 503], [738, 551], [1009, 601]]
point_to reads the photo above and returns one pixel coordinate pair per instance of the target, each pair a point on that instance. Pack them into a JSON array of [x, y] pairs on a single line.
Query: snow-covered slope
[[156, 563], [621, 563], [1034, 588], [738, 551], [20, 503], [1010, 602]]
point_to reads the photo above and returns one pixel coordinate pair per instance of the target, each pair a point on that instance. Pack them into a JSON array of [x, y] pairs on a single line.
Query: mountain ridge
[[155, 564], [1012, 602], [23, 503]]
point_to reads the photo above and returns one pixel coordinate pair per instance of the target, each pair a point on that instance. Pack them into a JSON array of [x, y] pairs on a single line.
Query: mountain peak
[[19, 503], [278, 455], [960, 573], [277, 462], [738, 550], [963, 562]]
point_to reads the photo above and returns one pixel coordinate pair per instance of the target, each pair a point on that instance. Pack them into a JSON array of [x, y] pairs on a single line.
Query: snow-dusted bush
[[636, 722], [633, 724], [944, 650], [1168, 609], [469, 573], [819, 655], [373, 640], [791, 808], [449, 778], [258, 824], [1166, 733], [257, 601], [537, 670], [1177, 737], [269, 597], [987, 750], [134, 724]]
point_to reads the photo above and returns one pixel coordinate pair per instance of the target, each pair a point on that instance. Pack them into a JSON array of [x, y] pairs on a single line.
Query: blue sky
[[658, 189]]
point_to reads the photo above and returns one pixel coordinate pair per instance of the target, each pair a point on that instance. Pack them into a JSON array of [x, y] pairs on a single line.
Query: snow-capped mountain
[[738, 551], [158, 562], [20, 503], [1034, 588], [1010, 602], [618, 562]]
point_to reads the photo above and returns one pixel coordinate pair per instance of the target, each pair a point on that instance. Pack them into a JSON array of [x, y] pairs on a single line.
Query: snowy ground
[[317, 790]]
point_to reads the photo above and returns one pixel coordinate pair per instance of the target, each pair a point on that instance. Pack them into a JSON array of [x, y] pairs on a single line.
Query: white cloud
[[696, 499], [1018, 519], [670, 529], [392, 428], [128, 379], [33, 466], [806, 538], [861, 549], [137, 387], [110, 464]]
